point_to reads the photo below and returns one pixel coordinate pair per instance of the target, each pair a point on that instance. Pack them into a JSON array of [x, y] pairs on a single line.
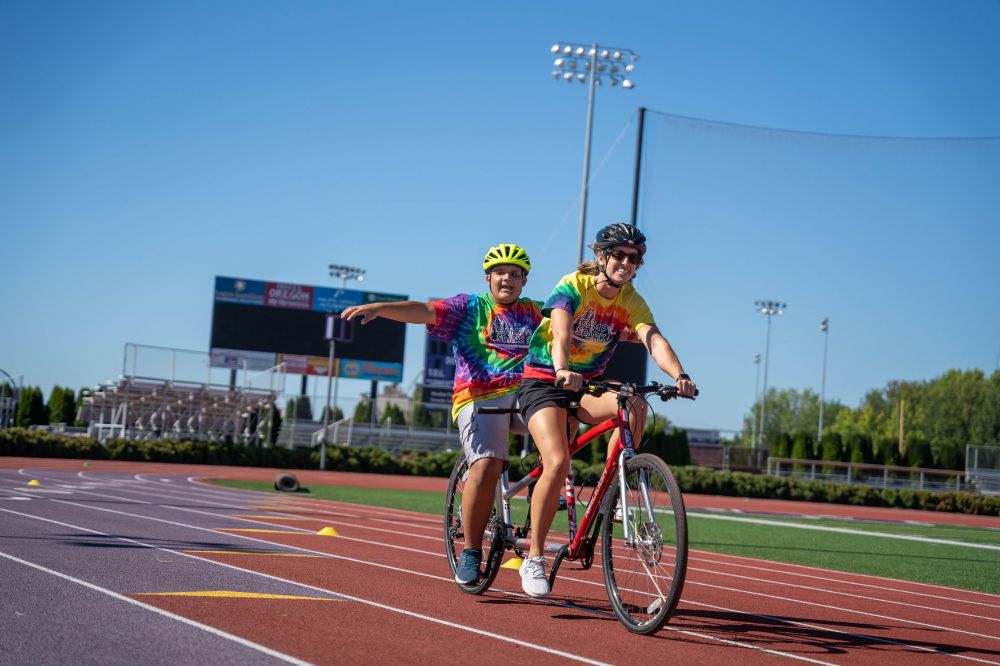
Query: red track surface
[[401, 604]]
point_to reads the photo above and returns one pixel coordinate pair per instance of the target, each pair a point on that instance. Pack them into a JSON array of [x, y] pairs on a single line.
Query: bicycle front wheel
[[454, 533], [644, 575]]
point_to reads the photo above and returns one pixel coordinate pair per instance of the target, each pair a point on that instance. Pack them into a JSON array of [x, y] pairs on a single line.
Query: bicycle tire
[[644, 581], [454, 533]]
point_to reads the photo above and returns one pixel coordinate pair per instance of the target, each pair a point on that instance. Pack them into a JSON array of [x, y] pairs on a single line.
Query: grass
[[958, 566]]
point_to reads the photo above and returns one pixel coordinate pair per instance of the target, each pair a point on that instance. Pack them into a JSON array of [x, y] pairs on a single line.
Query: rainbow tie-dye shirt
[[598, 324], [490, 342]]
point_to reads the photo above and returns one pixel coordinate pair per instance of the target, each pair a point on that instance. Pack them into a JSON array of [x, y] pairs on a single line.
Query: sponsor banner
[[326, 299], [372, 297], [348, 368], [295, 364], [371, 370], [238, 290], [436, 395], [235, 359], [284, 295]]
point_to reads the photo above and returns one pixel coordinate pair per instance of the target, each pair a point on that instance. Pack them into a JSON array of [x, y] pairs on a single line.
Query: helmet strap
[[604, 272]]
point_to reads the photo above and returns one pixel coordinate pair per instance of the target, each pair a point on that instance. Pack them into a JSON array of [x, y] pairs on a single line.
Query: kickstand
[[560, 554]]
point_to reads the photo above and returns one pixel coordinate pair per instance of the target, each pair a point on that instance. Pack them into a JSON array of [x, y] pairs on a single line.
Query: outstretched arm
[[409, 312], [664, 356]]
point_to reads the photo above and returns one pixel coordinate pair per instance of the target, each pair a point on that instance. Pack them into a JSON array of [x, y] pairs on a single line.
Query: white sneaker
[[534, 581]]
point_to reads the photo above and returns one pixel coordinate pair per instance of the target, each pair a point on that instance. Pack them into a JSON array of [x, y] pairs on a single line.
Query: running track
[[123, 563]]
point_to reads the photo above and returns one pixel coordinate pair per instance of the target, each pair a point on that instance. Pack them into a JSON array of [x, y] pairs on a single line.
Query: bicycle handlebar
[[665, 391]]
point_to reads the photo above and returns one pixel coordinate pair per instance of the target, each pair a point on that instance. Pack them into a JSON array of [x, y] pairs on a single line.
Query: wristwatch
[[682, 377]]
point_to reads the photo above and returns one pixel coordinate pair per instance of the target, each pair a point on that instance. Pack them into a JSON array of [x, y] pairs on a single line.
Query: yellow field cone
[[327, 531], [513, 563], [34, 482]]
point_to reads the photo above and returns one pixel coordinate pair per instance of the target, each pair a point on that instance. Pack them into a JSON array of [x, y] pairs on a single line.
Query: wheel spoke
[[645, 576]]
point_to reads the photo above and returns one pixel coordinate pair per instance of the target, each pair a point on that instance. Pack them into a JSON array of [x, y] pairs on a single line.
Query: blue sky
[[148, 147]]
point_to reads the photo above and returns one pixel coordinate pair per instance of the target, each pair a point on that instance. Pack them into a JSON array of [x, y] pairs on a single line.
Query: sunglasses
[[621, 256]]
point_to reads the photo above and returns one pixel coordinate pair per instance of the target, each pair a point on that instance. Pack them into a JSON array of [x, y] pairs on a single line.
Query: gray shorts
[[486, 435]]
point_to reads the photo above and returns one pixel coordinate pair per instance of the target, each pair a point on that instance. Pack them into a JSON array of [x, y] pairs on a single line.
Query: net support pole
[[592, 86], [637, 173]]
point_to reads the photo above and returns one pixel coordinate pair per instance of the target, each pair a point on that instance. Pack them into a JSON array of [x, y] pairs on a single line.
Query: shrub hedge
[[699, 480]]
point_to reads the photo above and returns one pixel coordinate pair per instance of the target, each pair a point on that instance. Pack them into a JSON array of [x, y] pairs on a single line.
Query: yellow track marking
[[248, 529], [271, 517], [246, 552], [229, 594]]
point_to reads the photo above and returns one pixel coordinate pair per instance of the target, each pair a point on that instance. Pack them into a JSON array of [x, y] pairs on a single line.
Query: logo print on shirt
[[587, 328], [502, 334]]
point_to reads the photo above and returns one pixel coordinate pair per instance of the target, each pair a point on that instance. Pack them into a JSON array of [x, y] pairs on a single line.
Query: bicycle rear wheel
[[454, 533], [645, 577]]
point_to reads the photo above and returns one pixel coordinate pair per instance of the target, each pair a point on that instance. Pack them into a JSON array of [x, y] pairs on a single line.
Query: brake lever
[[673, 393]]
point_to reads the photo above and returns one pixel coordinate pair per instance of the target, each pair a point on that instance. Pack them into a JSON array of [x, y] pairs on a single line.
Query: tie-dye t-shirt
[[598, 324], [490, 342]]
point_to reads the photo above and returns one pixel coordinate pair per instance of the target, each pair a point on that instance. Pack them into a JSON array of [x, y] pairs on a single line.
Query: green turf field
[[962, 557]]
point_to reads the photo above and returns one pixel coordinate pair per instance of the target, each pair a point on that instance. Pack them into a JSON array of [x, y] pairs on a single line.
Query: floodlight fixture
[[768, 309], [571, 58]]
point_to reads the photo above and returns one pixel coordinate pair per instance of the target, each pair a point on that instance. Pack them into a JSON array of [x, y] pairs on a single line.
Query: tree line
[[910, 423], [32, 409]]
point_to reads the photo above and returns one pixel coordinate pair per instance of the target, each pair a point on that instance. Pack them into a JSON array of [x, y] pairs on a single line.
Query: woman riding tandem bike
[[586, 315]]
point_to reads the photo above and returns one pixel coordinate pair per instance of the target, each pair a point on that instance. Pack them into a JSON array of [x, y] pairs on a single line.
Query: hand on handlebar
[[569, 380], [686, 388]]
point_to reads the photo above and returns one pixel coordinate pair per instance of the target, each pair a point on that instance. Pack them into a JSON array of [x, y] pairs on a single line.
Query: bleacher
[[358, 435], [982, 468], [146, 408]]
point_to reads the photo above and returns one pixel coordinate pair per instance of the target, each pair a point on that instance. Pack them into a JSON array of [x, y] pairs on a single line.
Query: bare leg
[[597, 409], [548, 429], [477, 498]]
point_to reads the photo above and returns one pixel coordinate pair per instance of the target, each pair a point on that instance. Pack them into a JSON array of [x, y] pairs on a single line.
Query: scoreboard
[[257, 324]]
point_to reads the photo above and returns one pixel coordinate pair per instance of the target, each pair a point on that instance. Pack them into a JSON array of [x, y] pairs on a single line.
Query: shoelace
[[535, 568]]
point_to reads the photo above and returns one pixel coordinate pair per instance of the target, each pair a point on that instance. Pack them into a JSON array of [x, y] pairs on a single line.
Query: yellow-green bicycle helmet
[[506, 253]]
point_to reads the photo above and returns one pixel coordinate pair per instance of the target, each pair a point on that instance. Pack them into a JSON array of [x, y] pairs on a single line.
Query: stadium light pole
[[592, 64], [756, 398], [824, 327], [769, 309], [345, 273]]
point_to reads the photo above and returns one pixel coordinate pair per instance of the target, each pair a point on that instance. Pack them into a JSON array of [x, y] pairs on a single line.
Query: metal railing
[[982, 467], [876, 476]]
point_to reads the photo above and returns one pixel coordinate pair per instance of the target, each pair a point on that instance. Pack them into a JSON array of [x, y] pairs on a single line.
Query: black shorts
[[536, 394]]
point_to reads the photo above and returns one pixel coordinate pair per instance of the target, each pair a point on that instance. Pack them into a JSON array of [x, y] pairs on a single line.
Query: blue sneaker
[[468, 567]]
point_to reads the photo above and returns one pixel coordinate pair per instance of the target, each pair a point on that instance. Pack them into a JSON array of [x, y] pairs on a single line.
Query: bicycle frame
[[615, 466]]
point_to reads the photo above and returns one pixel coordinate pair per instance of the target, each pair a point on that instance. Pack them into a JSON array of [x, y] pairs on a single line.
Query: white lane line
[[838, 608], [339, 517], [845, 530], [423, 552], [748, 646], [159, 611], [348, 597], [787, 566], [412, 572], [825, 590], [807, 625], [765, 566], [384, 566]]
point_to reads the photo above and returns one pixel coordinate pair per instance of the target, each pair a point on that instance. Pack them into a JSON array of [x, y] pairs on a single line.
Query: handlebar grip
[[560, 382]]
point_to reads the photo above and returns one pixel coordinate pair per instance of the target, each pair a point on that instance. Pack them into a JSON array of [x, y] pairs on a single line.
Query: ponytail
[[589, 268]]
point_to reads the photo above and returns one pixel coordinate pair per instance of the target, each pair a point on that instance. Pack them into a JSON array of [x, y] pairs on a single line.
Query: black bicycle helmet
[[620, 234]]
